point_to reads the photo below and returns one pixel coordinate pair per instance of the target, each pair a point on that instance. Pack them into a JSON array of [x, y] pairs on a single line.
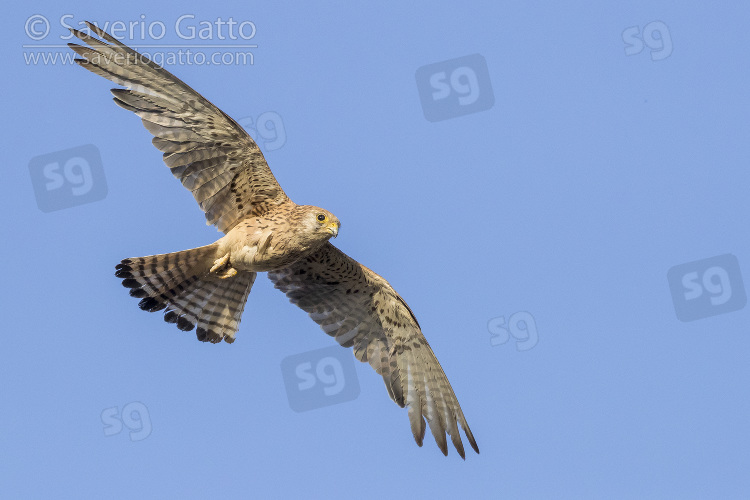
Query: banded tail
[[181, 283]]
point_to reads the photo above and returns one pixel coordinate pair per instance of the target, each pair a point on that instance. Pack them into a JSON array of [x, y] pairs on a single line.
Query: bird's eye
[[321, 217]]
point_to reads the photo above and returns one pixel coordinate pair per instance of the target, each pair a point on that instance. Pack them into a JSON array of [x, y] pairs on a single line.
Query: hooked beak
[[333, 227]]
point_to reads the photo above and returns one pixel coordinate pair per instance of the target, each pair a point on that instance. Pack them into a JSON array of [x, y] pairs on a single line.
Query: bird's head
[[321, 222]]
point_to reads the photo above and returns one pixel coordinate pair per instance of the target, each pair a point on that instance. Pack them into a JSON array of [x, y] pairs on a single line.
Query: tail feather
[[180, 283]]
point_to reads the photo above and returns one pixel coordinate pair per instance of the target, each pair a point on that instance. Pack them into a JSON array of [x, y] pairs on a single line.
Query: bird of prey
[[264, 231]]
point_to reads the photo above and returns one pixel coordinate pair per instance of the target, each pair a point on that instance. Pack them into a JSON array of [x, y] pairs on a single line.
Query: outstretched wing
[[361, 310], [206, 149]]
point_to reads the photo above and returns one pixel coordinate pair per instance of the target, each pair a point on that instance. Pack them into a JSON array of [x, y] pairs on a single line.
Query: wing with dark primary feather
[[206, 149], [361, 310]]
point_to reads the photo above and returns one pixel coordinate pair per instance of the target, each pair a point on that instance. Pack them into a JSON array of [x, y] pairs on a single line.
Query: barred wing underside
[[361, 310], [206, 149]]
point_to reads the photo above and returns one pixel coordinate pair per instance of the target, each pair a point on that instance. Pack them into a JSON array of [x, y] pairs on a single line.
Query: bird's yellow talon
[[223, 262], [219, 263], [228, 274]]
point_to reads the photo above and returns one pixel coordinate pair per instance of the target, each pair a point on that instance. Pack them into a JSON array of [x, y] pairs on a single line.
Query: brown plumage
[[206, 288]]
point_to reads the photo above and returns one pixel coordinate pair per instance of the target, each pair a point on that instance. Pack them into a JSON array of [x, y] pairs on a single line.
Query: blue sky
[[558, 191]]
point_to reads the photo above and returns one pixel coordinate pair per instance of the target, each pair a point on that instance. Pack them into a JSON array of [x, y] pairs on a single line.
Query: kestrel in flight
[[206, 288]]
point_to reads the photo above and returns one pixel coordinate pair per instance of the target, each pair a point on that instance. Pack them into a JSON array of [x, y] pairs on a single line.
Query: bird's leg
[[222, 268]]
